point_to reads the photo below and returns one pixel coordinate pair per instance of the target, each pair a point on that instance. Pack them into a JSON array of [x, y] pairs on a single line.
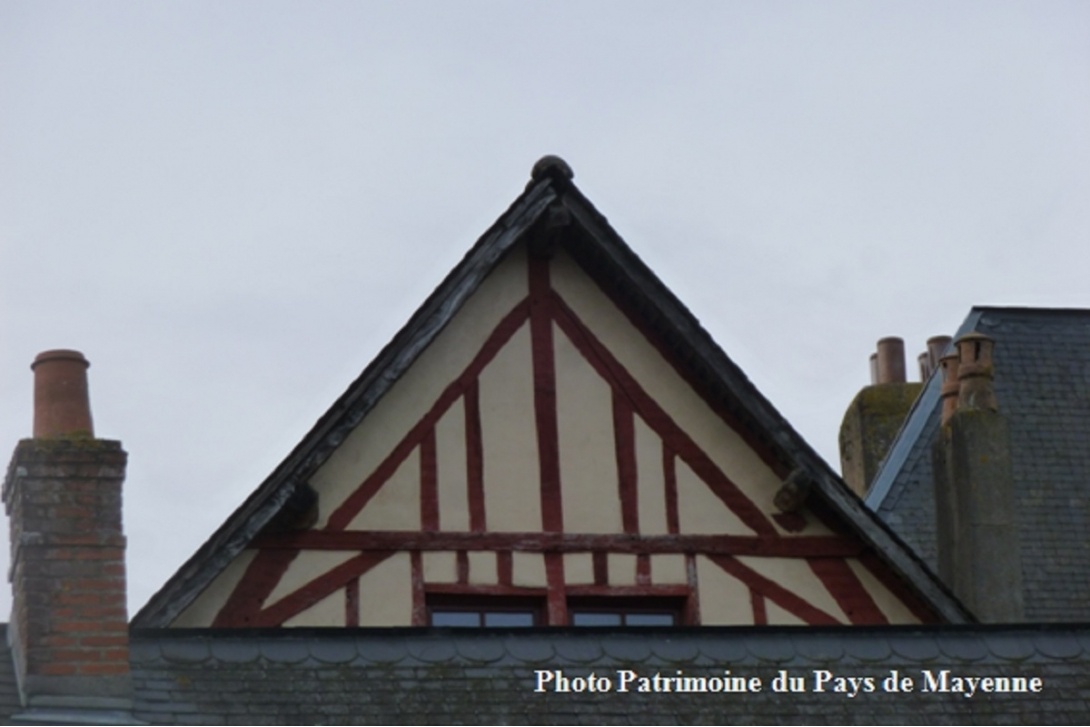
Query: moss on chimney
[[870, 425]]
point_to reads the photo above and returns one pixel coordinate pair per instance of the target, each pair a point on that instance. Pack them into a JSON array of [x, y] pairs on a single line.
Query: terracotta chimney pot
[[951, 385], [891, 360], [62, 407], [975, 372], [936, 347]]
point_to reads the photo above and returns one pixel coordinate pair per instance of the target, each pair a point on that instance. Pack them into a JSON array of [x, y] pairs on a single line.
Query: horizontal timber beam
[[813, 546]]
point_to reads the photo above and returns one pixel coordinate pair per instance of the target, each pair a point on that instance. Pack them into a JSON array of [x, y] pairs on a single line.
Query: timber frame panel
[[553, 219]]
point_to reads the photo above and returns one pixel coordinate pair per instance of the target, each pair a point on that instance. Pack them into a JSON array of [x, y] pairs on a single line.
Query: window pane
[[509, 618], [649, 619], [595, 618], [455, 618]]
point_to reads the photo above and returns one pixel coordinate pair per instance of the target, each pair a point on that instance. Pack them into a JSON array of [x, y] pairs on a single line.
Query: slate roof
[[551, 211], [1042, 382], [421, 676], [431, 676], [9, 690]]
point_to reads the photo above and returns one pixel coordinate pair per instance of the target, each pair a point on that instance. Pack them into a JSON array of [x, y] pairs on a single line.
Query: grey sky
[[230, 207]]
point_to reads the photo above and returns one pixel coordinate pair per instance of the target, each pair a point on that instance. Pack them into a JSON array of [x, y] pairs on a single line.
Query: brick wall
[[69, 620]]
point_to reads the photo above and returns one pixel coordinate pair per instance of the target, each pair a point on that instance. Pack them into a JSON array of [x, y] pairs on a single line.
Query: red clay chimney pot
[[891, 360], [951, 386], [62, 407]]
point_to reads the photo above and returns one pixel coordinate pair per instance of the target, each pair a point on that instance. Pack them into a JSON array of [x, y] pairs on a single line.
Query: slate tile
[[725, 651], [285, 651], [818, 647], [484, 650], [627, 650], [1010, 647], [873, 648], [576, 650], [235, 650], [185, 651], [963, 646], [917, 648], [536, 650], [682, 650], [433, 650], [1057, 645], [774, 648], [379, 650], [333, 651]]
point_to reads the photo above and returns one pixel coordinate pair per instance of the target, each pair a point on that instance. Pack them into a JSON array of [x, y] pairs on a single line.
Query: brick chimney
[[979, 548], [69, 624]]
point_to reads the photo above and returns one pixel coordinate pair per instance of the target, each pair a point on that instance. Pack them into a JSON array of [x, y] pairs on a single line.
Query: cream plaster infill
[[702, 511], [795, 575], [307, 566], [386, 596], [396, 505], [777, 616], [590, 494], [450, 454], [724, 600], [578, 568], [668, 570], [528, 570], [409, 399], [202, 612], [650, 481], [662, 382], [440, 566], [512, 491], [892, 607], [330, 611], [621, 568], [482, 568]]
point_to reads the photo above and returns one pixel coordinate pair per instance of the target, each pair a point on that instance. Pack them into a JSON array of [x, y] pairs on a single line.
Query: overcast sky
[[231, 207]]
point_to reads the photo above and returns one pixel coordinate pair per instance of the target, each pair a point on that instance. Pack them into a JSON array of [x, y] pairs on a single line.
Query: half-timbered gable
[[551, 440]]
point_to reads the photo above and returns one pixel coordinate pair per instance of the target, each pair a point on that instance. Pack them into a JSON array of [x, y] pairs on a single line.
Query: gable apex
[[549, 217]]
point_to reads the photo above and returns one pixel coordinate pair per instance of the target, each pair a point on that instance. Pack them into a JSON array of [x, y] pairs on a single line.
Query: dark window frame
[[624, 607], [482, 606]]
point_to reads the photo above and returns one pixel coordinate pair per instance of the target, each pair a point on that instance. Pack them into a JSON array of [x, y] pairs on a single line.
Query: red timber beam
[[624, 437], [302, 598], [244, 604], [880, 570], [669, 477], [803, 546], [850, 594], [429, 482], [760, 614], [791, 602], [474, 457], [420, 608], [543, 357], [610, 369], [342, 516]]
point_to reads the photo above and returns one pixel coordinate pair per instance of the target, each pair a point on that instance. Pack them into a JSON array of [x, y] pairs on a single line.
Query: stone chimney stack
[[875, 415], [69, 625], [979, 547]]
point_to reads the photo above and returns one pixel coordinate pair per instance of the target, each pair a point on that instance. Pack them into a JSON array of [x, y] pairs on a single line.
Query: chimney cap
[[60, 354]]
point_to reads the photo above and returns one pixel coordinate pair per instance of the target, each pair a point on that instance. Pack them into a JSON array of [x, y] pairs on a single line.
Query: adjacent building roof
[[1042, 382], [404, 676]]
